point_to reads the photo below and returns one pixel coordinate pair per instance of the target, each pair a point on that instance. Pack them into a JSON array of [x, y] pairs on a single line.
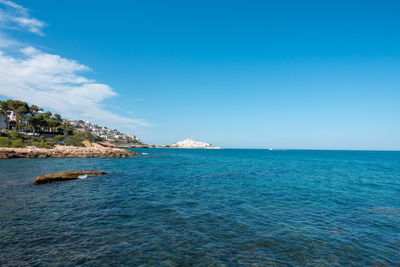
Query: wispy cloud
[[13, 15], [49, 80], [55, 82]]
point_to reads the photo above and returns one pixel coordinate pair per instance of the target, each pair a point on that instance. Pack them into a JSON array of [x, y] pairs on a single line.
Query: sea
[[194, 207]]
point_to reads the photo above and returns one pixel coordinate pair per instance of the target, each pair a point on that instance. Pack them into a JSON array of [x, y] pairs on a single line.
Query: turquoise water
[[205, 207]]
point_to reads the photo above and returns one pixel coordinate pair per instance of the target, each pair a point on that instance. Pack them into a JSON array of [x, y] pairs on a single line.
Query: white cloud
[[49, 80], [13, 5], [16, 16], [6, 42]]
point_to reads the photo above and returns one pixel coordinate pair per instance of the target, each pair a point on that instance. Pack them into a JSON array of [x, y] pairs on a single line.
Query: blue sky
[[280, 74]]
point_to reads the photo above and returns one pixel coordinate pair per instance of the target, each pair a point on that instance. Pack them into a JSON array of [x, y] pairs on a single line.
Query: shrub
[[21, 125], [73, 141], [36, 144], [44, 145], [4, 141], [87, 136], [77, 138], [41, 142], [14, 134], [17, 143], [29, 142], [58, 138]]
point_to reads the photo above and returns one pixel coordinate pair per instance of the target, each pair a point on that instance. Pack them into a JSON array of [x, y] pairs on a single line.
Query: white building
[[190, 143], [11, 116]]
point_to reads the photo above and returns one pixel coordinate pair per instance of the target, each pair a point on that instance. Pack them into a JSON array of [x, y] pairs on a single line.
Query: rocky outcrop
[[106, 144], [64, 176], [87, 143], [94, 151]]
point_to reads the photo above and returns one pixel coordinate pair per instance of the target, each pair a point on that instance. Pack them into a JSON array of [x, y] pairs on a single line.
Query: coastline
[[156, 146], [95, 151]]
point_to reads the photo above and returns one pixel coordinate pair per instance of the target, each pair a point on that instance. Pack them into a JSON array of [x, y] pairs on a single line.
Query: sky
[[236, 74]]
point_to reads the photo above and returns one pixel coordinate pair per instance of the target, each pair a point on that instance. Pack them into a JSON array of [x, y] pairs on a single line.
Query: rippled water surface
[[205, 207]]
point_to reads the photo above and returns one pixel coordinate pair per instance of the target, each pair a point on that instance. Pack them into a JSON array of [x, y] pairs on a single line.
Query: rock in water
[[63, 176]]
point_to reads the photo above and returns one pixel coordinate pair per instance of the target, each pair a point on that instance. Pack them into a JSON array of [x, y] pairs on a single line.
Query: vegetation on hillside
[[15, 139], [34, 119], [31, 126]]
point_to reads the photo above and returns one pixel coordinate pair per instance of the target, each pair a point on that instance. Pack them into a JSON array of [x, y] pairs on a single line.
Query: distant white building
[[190, 143], [101, 131]]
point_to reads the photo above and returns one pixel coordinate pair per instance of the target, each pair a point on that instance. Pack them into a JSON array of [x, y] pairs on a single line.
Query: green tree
[[3, 107], [51, 123], [33, 122], [42, 122], [57, 117], [67, 128], [20, 109], [47, 114], [33, 109]]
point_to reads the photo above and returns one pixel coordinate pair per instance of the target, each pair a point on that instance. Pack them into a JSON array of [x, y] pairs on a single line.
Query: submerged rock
[[64, 176]]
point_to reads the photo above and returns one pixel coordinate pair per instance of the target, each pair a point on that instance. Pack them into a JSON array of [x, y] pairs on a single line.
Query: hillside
[[23, 125]]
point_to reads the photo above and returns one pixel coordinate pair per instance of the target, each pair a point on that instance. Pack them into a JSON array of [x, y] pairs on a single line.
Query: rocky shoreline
[[92, 151]]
